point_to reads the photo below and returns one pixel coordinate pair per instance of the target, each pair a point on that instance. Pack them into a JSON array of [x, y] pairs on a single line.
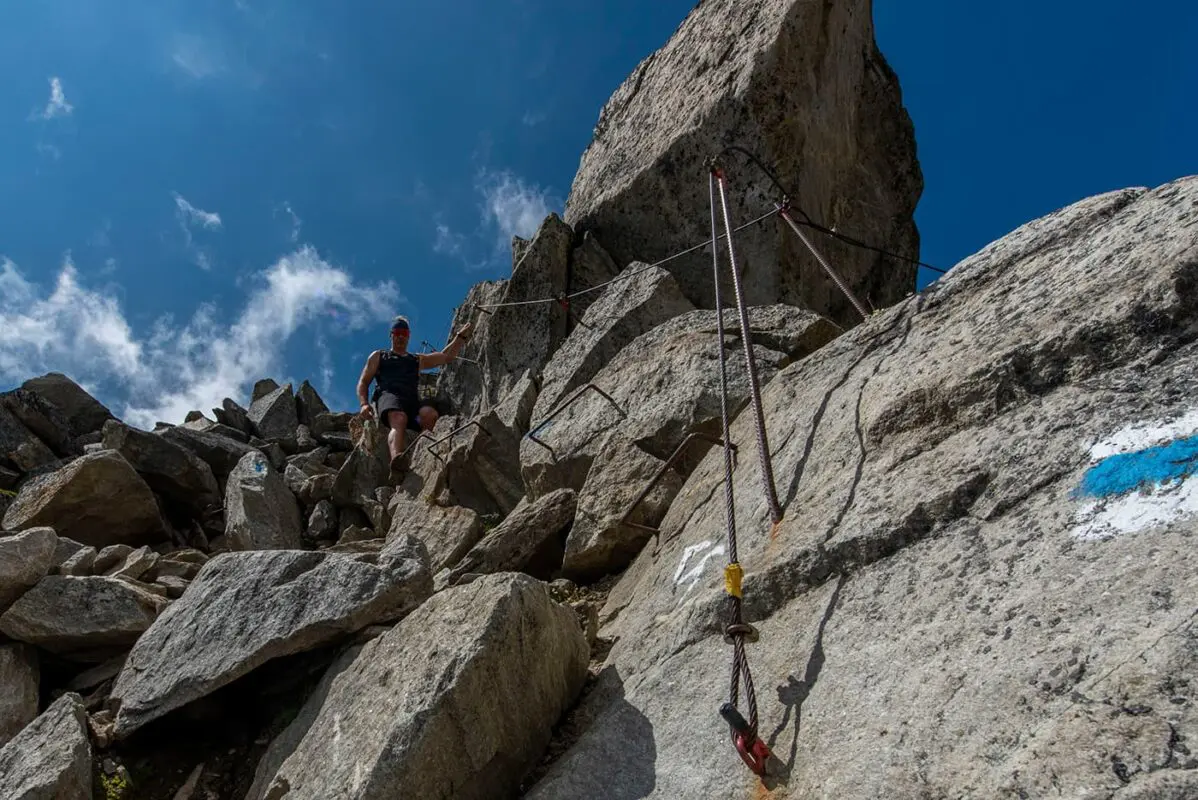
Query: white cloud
[[512, 207], [448, 242], [49, 150], [57, 105], [532, 118], [190, 215], [296, 223], [197, 57], [172, 369]]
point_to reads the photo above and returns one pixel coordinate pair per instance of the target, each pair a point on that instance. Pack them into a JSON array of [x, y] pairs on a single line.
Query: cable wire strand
[[810, 223], [627, 275], [767, 470]]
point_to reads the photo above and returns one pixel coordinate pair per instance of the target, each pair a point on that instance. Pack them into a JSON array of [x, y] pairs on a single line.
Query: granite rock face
[[983, 581], [85, 414], [244, 609], [97, 499], [261, 513], [457, 701], [804, 87], [51, 759]]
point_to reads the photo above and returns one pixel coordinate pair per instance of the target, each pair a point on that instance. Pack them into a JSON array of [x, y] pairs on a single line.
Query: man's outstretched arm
[[450, 352], [368, 371]]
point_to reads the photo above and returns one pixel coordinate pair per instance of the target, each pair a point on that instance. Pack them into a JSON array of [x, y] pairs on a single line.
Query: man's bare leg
[[428, 418], [397, 421]]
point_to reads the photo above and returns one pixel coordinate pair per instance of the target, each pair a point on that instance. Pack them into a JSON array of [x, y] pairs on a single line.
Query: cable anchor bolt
[[743, 629], [754, 752]]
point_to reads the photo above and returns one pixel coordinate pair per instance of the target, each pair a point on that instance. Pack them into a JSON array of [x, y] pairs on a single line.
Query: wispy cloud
[[83, 332], [297, 224], [510, 206], [190, 215], [448, 242], [197, 57], [57, 105], [532, 118], [49, 150]]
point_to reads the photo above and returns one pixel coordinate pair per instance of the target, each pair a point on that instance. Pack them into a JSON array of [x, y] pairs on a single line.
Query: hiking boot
[[399, 469]]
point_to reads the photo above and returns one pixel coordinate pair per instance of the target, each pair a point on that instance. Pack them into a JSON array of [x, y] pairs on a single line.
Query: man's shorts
[[389, 401]]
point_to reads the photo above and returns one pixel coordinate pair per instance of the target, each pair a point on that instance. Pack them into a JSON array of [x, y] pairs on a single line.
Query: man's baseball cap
[[400, 323]]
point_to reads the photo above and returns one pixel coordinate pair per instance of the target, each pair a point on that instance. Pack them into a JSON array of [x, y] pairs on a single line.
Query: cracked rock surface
[[804, 87], [966, 596]]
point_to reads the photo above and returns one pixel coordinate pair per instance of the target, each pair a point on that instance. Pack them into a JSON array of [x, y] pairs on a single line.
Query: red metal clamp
[[754, 752]]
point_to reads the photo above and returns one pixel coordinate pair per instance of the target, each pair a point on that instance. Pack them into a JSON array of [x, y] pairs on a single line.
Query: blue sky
[[195, 195]]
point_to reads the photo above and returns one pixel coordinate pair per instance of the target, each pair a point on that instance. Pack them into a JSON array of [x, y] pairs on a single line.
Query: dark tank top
[[398, 374]]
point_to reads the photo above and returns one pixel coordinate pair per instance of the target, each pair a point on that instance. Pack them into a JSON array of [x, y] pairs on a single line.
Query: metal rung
[[568, 401], [437, 442], [678, 451]]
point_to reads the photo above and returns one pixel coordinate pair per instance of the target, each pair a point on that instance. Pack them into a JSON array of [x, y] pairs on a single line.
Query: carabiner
[[753, 751]]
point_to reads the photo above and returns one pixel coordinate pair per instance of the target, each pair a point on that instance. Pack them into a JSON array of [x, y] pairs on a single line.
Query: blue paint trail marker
[[1122, 473], [1141, 477]]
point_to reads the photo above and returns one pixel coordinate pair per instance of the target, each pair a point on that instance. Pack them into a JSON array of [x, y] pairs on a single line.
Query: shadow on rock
[[602, 731], [792, 695]]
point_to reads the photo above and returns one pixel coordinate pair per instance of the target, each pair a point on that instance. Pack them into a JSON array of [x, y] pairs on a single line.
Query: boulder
[[83, 619], [479, 466], [625, 310], [244, 609], [531, 528], [448, 532], [97, 499], [205, 425], [316, 489], [137, 565], [513, 341], [84, 413], [304, 440], [219, 451], [598, 543], [665, 385], [234, 416], [983, 583], [368, 467], [273, 414], [44, 419], [111, 557], [25, 558], [262, 388], [308, 404], [80, 563], [457, 700], [322, 524], [51, 759], [65, 549], [333, 429], [273, 451], [805, 89], [19, 676], [19, 447], [352, 534], [261, 513], [590, 267], [172, 471]]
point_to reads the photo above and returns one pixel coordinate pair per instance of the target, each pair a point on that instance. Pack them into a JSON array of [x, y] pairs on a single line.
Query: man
[[396, 401]]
